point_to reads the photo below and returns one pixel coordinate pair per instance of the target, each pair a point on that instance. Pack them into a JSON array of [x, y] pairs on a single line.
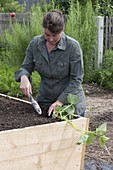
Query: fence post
[[100, 25]]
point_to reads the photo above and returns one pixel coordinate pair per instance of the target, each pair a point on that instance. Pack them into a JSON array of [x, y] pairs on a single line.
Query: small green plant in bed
[[66, 113]]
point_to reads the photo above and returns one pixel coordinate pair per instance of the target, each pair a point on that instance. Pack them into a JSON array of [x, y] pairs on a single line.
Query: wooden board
[[15, 98]]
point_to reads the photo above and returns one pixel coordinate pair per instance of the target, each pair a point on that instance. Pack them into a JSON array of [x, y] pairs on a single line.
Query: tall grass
[[81, 25], [17, 41], [20, 36]]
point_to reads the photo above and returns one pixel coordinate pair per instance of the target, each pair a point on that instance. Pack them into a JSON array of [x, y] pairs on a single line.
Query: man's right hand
[[25, 86]]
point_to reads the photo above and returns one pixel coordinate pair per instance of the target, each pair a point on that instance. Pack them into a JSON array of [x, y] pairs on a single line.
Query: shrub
[[11, 6], [9, 86], [104, 75]]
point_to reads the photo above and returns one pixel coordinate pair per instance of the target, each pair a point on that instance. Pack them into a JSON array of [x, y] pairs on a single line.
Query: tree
[[11, 6], [104, 7]]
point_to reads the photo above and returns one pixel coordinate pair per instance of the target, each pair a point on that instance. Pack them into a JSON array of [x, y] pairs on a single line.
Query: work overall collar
[[42, 45]]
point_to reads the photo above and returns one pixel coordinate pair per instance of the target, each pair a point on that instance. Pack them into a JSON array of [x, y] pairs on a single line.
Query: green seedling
[[67, 113]]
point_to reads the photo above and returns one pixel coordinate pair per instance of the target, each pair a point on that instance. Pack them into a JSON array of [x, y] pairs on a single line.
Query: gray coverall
[[61, 70]]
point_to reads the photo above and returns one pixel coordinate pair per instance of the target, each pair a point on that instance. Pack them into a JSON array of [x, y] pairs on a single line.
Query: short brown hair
[[54, 21]]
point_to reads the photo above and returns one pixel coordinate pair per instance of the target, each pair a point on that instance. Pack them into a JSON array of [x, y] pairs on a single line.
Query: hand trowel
[[35, 105]]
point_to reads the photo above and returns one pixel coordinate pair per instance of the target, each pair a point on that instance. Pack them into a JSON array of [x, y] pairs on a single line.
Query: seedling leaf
[[70, 110], [103, 140], [82, 139], [101, 130], [72, 99], [90, 139]]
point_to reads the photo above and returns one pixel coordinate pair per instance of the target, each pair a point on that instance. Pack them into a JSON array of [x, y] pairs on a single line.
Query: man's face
[[52, 38]]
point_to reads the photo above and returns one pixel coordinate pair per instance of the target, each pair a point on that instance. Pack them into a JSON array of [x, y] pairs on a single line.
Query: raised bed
[[50, 146]]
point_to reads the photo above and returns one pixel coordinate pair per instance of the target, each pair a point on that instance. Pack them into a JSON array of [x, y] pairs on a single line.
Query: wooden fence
[[5, 19], [108, 33]]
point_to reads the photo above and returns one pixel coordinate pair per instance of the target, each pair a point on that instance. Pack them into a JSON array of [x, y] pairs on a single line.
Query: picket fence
[[108, 33]]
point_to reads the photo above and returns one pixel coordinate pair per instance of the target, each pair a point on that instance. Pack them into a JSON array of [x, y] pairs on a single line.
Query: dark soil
[[15, 114]]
